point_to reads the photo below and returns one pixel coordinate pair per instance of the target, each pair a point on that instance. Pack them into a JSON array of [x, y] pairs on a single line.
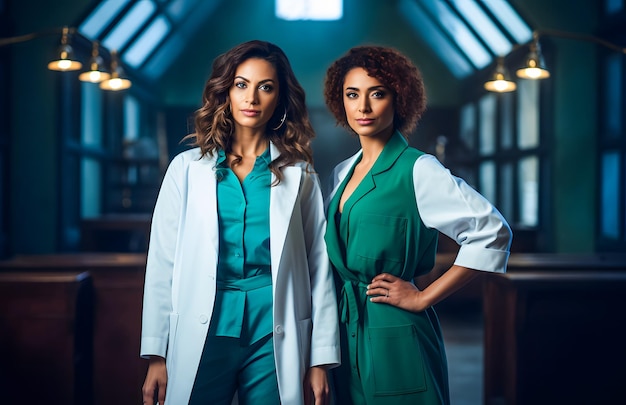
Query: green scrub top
[[243, 303]]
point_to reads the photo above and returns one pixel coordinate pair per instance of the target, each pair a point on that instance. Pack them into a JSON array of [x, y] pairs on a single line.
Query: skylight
[[318, 10], [510, 20], [146, 43], [459, 31], [484, 26], [129, 25], [467, 35], [147, 34], [101, 17], [424, 26]]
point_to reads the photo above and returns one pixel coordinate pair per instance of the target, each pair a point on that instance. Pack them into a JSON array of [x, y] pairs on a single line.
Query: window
[[487, 124], [92, 128], [318, 10], [501, 133], [147, 34], [147, 42], [466, 34], [130, 24], [610, 215], [528, 183], [612, 156], [111, 167], [134, 176], [528, 122], [112, 160]]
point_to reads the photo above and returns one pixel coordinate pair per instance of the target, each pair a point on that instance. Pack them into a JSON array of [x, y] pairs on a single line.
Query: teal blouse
[[243, 303]]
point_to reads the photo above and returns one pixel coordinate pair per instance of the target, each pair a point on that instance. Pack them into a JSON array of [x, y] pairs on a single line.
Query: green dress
[[389, 355]]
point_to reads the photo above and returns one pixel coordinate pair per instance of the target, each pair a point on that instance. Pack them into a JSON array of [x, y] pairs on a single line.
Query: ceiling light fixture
[[534, 67], [67, 63], [116, 82], [500, 81], [95, 73]]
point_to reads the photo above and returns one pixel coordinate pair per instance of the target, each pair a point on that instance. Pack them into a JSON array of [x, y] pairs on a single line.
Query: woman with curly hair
[[386, 207], [239, 295]]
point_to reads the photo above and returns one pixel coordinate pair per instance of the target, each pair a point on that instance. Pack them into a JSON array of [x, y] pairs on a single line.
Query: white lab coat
[[180, 281]]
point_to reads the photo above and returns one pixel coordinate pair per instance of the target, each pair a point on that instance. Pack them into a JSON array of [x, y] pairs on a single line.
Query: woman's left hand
[[316, 388], [389, 289]]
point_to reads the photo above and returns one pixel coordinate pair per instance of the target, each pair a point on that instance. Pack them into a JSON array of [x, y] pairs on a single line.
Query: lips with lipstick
[[365, 121], [250, 113]]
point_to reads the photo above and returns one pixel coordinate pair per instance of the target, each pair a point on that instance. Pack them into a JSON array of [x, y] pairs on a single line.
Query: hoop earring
[[282, 121]]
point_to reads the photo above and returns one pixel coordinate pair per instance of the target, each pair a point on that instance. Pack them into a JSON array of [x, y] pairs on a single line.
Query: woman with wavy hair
[[387, 206], [238, 293]]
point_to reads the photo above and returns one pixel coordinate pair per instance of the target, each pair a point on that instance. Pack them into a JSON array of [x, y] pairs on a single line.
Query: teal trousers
[[227, 367]]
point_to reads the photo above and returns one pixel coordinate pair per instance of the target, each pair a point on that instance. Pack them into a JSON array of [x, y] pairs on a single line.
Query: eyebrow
[[371, 88], [261, 82]]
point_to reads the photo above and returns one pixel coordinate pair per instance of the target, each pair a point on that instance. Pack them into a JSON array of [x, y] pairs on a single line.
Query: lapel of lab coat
[[282, 201]]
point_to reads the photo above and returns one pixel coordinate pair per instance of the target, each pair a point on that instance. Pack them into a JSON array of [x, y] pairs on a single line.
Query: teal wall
[[34, 120], [573, 133]]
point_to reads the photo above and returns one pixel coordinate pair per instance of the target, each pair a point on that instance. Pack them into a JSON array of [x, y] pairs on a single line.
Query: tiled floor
[[463, 336]]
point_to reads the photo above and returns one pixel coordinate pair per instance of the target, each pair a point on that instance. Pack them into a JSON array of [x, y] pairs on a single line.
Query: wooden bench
[[118, 371], [554, 330], [45, 338]]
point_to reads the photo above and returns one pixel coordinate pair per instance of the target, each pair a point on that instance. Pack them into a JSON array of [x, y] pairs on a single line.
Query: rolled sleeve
[[448, 204]]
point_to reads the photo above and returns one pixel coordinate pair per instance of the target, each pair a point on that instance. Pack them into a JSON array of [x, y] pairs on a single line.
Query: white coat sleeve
[[157, 300], [448, 204], [325, 333]]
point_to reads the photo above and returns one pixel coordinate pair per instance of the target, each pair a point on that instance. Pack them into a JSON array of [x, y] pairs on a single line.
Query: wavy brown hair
[[214, 125], [394, 70]]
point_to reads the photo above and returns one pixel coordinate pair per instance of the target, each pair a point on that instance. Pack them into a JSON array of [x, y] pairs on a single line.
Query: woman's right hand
[[156, 382]]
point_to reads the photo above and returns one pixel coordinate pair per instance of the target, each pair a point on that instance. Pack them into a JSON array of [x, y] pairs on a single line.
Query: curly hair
[[394, 70], [214, 125]]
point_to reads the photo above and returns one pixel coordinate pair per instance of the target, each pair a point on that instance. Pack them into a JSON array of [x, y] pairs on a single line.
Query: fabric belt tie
[[246, 284], [234, 296], [349, 302], [351, 293]]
